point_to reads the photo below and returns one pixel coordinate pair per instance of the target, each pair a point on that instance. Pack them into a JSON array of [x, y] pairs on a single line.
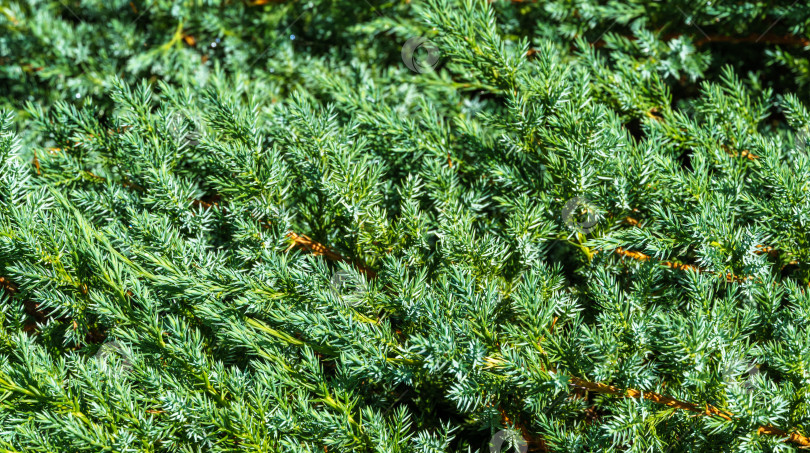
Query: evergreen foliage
[[250, 226]]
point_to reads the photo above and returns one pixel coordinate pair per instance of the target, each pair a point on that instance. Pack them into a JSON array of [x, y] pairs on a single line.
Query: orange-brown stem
[[707, 409], [318, 249]]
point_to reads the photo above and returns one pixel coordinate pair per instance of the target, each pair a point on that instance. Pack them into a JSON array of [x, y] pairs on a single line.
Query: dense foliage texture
[[250, 226]]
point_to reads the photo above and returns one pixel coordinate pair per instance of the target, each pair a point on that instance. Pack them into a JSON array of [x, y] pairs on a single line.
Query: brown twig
[[707, 409], [642, 257], [731, 278], [8, 286], [318, 249], [31, 308], [744, 153]]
